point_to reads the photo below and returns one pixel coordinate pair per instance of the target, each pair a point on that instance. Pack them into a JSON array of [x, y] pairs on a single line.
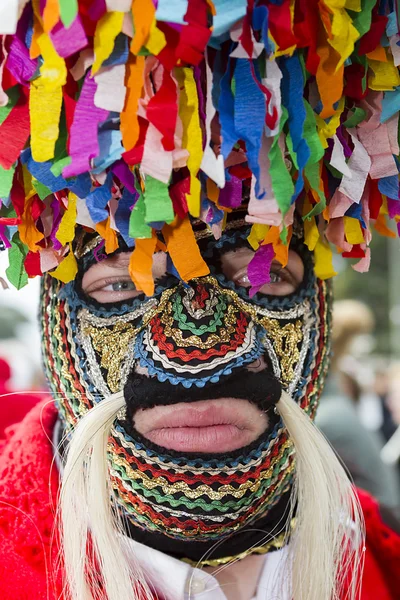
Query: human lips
[[206, 426]]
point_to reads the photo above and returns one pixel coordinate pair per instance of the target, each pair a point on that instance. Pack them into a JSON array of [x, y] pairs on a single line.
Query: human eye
[[283, 280], [112, 289]]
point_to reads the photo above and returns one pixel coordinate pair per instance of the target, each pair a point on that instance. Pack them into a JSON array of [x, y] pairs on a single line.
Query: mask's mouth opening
[[220, 418]]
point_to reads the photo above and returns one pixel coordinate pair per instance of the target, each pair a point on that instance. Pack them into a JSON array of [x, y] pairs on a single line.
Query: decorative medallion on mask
[[189, 342]]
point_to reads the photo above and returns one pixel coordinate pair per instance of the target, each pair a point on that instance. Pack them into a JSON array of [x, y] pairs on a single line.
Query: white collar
[[176, 580]]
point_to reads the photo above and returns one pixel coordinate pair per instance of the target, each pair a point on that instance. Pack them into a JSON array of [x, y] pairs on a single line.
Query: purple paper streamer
[[3, 238], [125, 175], [19, 63], [231, 195], [55, 207], [258, 269], [97, 10], [198, 79], [346, 148], [68, 41], [97, 250], [393, 208], [84, 144]]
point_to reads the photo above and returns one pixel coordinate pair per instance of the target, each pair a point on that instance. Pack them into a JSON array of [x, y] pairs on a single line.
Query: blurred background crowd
[[360, 405]]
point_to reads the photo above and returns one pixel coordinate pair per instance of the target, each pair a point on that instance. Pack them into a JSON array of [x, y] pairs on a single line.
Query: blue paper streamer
[[292, 98], [250, 111], [172, 11], [120, 52], [226, 110], [389, 186], [110, 143], [98, 199], [390, 104], [123, 213]]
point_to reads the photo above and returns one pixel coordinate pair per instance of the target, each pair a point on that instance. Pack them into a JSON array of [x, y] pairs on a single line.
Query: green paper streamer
[[6, 179], [158, 203], [41, 189], [68, 11], [362, 20], [356, 118], [58, 165], [282, 184], [311, 171], [137, 225], [13, 94], [15, 272]]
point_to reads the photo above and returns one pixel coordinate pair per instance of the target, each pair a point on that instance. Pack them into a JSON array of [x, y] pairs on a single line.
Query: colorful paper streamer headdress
[[136, 117]]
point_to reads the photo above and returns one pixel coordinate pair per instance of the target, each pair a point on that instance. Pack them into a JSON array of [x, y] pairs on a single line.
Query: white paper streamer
[[8, 16], [338, 160], [111, 90], [211, 165]]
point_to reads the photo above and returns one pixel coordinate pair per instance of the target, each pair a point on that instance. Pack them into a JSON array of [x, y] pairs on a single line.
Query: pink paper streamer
[[19, 63], [231, 195], [259, 268], [363, 265], [68, 41], [84, 144]]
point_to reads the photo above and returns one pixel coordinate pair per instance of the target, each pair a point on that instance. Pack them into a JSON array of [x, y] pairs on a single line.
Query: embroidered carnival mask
[[190, 342]]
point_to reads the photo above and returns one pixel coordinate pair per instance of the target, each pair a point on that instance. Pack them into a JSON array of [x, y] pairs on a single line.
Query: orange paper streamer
[[183, 249], [108, 234], [129, 121], [143, 15], [141, 265]]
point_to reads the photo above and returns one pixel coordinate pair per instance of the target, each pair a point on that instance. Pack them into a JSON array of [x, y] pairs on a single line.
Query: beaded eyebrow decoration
[[134, 118]]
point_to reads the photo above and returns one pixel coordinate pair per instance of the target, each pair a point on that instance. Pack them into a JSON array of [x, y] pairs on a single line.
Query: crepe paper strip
[[8, 17], [15, 272], [68, 41], [162, 110], [45, 101], [6, 180], [129, 120], [231, 195], [393, 208], [68, 11], [83, 134], [67, 269], [390, 104], [107, 29], [362, 266], [258, 269], [249, 107], [395, 49], [311, 233], [257, 234], [108, 234], [389, 186], [156, 161], [19, 63], [192, 135], [51, 15], [178, 193], [381, 226], [123, 212], [143, 13], [121, 5], [98, 199], [66, 229], [14, 132], [359, 166], [175, 10], [323, 261], [353, 231], [120, 53], [338, 160], [385, 76], [334, 233], [138, 227], [156, 41], [12, 98], [157, 201], [372, 38], [211, 165], [110, 93], [282, 183], [141, 264], [42, 190], [32, 264], [183, 249], [194, 36], [355, 119]]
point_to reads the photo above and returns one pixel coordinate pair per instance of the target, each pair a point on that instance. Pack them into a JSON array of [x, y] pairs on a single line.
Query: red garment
[[27, 522]]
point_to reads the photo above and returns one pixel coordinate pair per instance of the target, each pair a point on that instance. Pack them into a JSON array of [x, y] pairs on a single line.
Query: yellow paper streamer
[[323, 261], [66, 230], [141, 264], [343, 32], [183, 249], [192, 139], [67, 269], [257, 234], [107, 29], [354, 5], [328, 129], [352, 231], [156, 41], [45, 101], [311, 233], [385, 76]]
